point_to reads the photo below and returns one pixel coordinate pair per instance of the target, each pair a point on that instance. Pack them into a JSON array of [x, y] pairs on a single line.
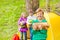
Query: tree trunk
[[32, 4], [35, 5]]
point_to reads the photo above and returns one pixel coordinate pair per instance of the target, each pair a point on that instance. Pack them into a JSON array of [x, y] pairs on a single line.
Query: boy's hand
[[40, 27], [35, 27], [45, 25], [30, 21]]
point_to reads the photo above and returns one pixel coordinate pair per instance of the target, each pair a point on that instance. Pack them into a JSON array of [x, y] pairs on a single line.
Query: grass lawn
[[10, 11]]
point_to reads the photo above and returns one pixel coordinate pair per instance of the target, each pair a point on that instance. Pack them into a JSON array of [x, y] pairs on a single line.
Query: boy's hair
[[39, 10], [30, 11]]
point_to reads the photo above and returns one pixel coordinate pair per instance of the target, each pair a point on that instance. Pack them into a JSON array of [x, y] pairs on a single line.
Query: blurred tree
[[32, 4], [48, 5]]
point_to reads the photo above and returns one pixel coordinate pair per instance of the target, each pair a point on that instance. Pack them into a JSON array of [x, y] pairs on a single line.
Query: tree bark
[[32, 4]]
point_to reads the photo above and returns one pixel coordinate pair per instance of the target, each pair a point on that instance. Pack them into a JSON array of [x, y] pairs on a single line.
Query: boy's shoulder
[[31, 17], [28, 16], [35, 21], [44, 20]]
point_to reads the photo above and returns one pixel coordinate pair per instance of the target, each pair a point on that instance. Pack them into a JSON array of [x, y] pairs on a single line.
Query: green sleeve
[[35, 21], [44, 20], [32, 21]]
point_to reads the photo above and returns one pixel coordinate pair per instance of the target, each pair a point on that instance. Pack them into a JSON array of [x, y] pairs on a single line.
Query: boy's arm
[[27, 20], [28, 23], [45, 25]]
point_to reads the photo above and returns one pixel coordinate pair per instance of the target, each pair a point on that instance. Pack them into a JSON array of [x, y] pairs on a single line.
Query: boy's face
[[40, 14], [30, 14]]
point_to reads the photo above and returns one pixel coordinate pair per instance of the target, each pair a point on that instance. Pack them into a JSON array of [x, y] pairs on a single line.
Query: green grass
[[10, 11]]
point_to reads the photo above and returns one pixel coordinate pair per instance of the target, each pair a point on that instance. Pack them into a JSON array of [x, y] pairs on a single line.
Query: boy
[[40, 26], [29, 21]]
